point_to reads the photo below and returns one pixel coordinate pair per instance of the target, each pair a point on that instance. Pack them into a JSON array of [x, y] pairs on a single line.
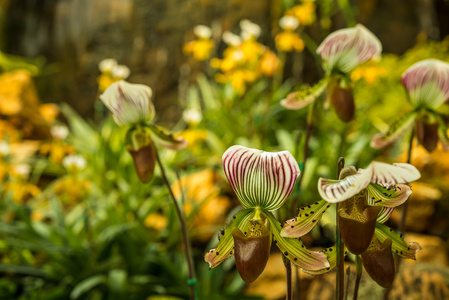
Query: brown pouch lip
[[355, 234], [427, 134], [379, 263], [251, 254], [144, 162], [342, 99]]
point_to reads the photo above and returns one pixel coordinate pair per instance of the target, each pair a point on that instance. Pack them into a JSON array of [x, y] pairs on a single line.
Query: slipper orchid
[[131, 106], [341, 52], [427, 85], [262, 182]]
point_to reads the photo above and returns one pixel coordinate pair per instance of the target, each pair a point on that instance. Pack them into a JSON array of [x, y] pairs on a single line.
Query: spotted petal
[[400, 247], [307, 218], [305, 96], [225, 248], [295, 251], [391, 196], [331, 253], [260, 179], [397, 130], [163, 137], [390, 175]]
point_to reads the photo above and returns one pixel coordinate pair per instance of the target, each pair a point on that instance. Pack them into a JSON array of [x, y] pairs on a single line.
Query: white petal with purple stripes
[[260, 179], [389, 175]]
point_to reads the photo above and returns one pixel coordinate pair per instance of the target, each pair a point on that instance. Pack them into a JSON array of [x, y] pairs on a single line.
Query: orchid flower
[[262, 182], [427, 86], [341, 52], [131, 106], [367, 198]]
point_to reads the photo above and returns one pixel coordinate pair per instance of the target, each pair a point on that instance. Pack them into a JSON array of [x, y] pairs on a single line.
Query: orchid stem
[[359, 270], [288, 272], [185, 236], [297, 284], [348, 273], [340, 287]]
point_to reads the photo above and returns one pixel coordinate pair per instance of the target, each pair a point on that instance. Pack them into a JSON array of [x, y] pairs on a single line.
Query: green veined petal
[[392, 196], [331, 253], [260, 179], [395, 131], [384, 214], [307, 218], [225, 247], [166, 139], [400, 247], [295, 250], [305, 96]]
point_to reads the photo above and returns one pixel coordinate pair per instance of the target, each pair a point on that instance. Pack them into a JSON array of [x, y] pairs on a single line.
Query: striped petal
[[397, 130], [340, 190], [258, 178], [305, 96], [400, 247], [384, 214], [390, 175], [391, 196], [307, 218], [295, 251], [225, 248]]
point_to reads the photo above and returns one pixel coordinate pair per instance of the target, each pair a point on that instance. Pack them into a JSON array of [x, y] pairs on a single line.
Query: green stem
[[185, 235], [340, 246], [359, 269]]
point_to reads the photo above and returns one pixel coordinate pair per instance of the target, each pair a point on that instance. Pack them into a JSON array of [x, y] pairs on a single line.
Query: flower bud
[[129, 103], [346, 48], [252, 251], [342, 99], [427, 83], [379, 263]]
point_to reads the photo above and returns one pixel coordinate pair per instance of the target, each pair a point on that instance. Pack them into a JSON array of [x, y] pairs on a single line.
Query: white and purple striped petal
[[427, 83], [389, 175], [340, 190], [260, 179]]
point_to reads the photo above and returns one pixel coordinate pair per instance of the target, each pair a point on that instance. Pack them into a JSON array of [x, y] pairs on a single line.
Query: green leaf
[[86, 285]]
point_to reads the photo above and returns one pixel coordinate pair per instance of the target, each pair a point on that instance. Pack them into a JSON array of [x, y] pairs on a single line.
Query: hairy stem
[[185, 235]]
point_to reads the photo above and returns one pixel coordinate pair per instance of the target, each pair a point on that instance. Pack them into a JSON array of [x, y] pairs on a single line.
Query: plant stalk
[[359, 270], [185, 235], [340, 287], [288, 272], [348, 273]]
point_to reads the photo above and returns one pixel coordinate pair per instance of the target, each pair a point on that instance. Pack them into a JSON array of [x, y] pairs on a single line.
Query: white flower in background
[[289, 23], [192, 116], [249, 30], [74, 162], [107, 65], [121, 72], [202, 32], [5, 149], [23, 170], [129, 103], [59, 132], [231, 39]]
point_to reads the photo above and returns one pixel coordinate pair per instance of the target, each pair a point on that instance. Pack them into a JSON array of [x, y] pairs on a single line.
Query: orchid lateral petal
[[258, 178], [389, 175], [384, 214], [331, 253], [295, 251], [427, 83], [305, 95], [395, 131], [400, 247], [163, 137], [391, 196], [340, 190], [225, 247], [307, 218]]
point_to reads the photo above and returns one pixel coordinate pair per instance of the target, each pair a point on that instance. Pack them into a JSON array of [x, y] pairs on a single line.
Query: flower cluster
[[202, 47], [111, 72]]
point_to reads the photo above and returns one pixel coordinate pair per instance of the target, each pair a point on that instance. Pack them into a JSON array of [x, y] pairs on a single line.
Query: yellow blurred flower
[[305, 13], [49, 111], [56, 150], [72, 190], [370, 73], [270, 64], [199, 49], [288, 41], [155, 221], [21, 191]]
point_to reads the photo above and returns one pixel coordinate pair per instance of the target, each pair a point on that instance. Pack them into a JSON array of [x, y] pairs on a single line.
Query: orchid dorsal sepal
[[306, 95], [260, 179], [399, 246]]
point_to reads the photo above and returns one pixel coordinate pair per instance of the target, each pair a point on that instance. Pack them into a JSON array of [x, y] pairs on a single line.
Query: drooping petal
[[427, 83], [225, 248], [346, 48], [384, 214], [258, 178], [307, 218], [391, 196], [331, 253], [390, 175], [379, 262], [340, 190], [129, 103], [163, 137], [295, 251], [397, 130], [400, 247], [305, 96]]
